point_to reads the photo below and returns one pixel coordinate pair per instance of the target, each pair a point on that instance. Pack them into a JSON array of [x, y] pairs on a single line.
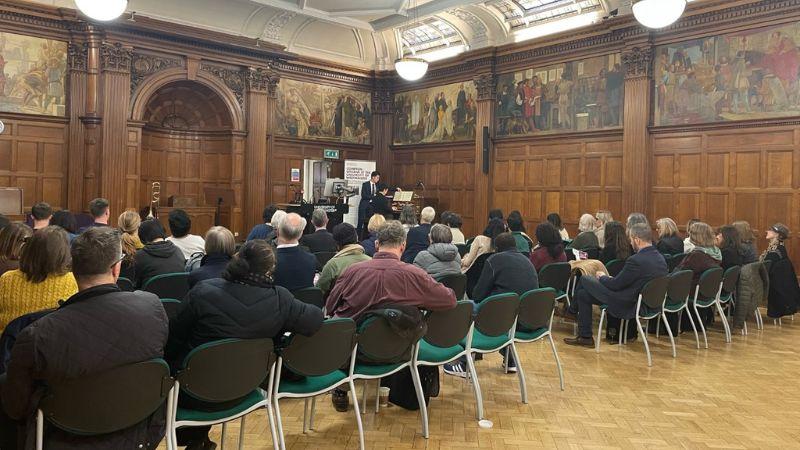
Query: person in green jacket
[[349, 253]]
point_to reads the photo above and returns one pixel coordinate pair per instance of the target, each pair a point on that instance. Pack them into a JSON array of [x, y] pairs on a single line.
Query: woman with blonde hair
[[129, 222], [586, 239], [704, 254], [374, 224], [747, 241], [600, 220], [669, 242], [12, 238]]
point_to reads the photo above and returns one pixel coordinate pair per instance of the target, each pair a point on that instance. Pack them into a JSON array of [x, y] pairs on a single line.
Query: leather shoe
[[580, 341], [340, 400]]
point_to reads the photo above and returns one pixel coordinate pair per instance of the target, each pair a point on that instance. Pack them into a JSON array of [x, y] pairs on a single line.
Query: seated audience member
[[455, 223], [483, 243], [617, 245], [12, 239], [704, 254], [555, 220], [748, 242], [96, 329], [67, 221], [729, 244], [620, 293], [586, 239], [129, 222], [100, 212], [158, 256], [277, 219], [408, 216], [321, 240], [384, 280], [550, 247], [295, 267], [374, 224], [669, 242], [418, 237], [219, 249], [496, 214], [687, 243], [349, 253], [784, 293], [41, 213], [636, 218], [516, 225], [179, 226], [245, 303], [262, 230], [380, 204], [600, 220], [441, 258], [43, 277]]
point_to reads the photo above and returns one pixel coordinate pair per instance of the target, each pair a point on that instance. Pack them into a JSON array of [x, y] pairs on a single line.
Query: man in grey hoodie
[[441, 258]]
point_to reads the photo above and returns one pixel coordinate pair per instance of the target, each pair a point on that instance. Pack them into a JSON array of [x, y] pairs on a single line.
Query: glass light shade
[[102, 10], [411, 69], [658, 13]]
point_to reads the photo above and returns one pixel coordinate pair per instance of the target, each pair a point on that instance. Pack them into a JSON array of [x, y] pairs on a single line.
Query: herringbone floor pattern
[[739, 395]]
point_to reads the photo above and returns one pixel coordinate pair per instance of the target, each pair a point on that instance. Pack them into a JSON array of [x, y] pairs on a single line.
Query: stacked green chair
[[168, 285], [680, 287], [706, 295], [557, 276], [311, 295]]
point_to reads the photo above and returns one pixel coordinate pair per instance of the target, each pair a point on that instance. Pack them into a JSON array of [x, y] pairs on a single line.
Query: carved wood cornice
[[382, 96], [77, 56], [116, 57], [638, 62], [233, 78], [261, 80], [144, 65], [718, 126], [288, 68], [486, 85]]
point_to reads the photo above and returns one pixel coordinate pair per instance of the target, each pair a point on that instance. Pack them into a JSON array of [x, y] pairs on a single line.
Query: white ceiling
[[373, 33]]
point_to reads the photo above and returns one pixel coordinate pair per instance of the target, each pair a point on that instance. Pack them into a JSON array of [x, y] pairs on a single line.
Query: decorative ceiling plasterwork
[[273, 28]]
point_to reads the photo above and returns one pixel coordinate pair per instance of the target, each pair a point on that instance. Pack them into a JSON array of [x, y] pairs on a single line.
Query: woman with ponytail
[[244, 303]]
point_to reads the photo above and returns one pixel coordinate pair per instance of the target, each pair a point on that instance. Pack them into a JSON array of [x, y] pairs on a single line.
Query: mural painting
[[437, 114], [32, 75]]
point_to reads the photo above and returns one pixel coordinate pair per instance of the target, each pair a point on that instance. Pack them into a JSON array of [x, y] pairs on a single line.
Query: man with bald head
[[295, 267]]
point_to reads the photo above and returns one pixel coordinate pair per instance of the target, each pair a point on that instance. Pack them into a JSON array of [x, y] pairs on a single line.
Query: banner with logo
[[355, 173]]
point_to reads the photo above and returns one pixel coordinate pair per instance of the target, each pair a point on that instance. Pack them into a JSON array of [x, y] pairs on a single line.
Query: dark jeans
[[582, 306], [11, 431]]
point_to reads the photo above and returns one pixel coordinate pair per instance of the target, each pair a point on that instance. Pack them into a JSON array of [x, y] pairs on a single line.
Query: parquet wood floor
[[732, 396]]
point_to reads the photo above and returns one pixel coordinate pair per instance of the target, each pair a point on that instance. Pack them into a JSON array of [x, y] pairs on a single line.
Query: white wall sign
[[356, 172]]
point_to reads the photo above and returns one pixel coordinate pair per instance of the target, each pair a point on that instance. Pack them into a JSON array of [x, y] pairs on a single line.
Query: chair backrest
[[614, 267], [328, 349], [709, 282], [654, 292], [311, 295], [172, 307], [497, 313], [108, 401], [674, 260], [324, 257], [730, 279], [680, 286], [227, 369], [555, 275], [125, 284], [474, 272], [536, 308], [379, 343], [462, 249], [168, 285], [457, 282], [448, 328]]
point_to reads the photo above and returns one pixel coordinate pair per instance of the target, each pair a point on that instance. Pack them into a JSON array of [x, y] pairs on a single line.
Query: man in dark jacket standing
[[418, 239], [368, 190], [621, 292], [321, 240], [158, 256], [296, 267], [95, 330]]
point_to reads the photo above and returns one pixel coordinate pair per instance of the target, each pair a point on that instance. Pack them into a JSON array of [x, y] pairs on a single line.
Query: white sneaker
[[456, 370]]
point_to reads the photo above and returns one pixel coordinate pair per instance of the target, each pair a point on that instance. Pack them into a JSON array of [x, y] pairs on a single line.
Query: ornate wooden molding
[[742, 13], [486, 85], [145, 65], [467, 67], [234, 79], [638, 62], [382, 97], [319, 73], [116, 57], [77, 56], [730, 125], [261, 80]]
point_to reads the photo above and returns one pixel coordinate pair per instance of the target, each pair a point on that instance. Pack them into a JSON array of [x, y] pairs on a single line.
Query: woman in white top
[[483, 243], [600, 220], [454, 221], [555, 219]]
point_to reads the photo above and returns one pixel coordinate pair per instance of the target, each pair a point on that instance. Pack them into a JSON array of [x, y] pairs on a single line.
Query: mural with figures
[[574, 96], [747, 75], [315, 111], [32, 75], [437, 114]]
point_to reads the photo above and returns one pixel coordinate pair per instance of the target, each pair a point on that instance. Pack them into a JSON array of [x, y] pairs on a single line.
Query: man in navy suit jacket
[[621, 292], [368, 191], [417, 239]]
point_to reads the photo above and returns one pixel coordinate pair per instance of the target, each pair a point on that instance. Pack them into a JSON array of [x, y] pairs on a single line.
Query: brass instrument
[[155, 198]]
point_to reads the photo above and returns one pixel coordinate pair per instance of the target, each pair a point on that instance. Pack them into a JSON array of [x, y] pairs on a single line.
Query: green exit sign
[[331, 154]]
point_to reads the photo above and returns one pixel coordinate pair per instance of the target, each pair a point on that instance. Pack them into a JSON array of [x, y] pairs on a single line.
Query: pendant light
[[102, 10], [409, 67], [658, 13]]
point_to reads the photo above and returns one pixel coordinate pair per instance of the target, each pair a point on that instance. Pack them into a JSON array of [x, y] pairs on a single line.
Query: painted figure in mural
[[614, 84], [564, 92], [461, 106]]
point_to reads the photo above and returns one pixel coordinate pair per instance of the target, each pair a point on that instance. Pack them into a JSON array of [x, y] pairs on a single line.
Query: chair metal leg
[[271, 421], [646, 345], [222, 439], [39, 429], [691, 322], [671, 337], [358, 415], [476, 386], [700, 320], [558, 360], [423, 407], [313, 408], [599, 330], [241, 433], [377, 395], [305, 414], [279, 423], [364, 398], [520, 373], [624, 331], [759, 319], [724, 322]]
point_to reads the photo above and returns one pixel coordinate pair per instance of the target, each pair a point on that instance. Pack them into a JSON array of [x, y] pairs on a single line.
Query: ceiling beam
[[427, 9], [361, 12], [292, 6]]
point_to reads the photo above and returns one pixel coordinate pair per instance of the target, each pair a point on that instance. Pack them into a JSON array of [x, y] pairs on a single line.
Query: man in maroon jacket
[[384, 280]]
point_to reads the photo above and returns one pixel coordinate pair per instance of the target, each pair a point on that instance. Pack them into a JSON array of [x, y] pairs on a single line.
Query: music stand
[[218, 197]]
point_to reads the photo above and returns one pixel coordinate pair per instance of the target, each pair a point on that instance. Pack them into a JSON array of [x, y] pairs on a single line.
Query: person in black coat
[[381, 203], [321, 240], [368, 191], [158, 256], [295, 267], [417, 239], [620, 293], [669, 242], [245, 303], [220, 247], [616, 245], [507, 270], [729, 243], [784, 292]]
